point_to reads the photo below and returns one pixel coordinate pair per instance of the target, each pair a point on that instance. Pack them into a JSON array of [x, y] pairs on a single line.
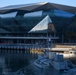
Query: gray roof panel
[[38, 6]]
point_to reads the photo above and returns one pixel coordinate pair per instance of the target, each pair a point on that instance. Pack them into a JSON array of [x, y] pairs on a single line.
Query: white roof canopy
[[42, 26]]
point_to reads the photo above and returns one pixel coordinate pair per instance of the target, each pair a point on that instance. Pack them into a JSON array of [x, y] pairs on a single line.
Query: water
[[22, 64]]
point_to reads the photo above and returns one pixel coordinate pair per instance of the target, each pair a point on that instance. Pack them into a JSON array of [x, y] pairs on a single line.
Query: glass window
[[63, 13], [33, 14], [8, 15]]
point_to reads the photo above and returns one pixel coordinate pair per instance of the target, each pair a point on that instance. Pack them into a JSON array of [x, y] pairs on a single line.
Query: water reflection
[[22, 64], [13, 62]]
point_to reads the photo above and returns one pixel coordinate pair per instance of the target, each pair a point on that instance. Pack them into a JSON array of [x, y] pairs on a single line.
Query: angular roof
[[43, 26], [37, 7]]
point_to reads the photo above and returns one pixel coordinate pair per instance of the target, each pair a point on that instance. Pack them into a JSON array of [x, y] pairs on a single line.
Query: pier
[[21, 48], [33, 48]]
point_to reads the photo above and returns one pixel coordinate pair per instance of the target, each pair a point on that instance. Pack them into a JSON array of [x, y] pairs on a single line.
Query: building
[[37, 23]]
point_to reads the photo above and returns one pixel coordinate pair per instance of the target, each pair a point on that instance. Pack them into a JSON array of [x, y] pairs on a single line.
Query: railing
[[28, 37]]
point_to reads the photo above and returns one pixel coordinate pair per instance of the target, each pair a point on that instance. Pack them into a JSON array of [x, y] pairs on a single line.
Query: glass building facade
[[19, 22]]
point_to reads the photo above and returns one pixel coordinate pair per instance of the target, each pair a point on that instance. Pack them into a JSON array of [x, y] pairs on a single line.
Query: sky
[[4, 3]]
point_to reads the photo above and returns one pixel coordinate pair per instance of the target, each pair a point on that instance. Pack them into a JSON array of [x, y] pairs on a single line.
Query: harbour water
[[22, 64]]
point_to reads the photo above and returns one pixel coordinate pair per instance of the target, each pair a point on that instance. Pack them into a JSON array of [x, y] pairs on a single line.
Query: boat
[[58, 62], [43, 63], [43, 60], [68, 53]]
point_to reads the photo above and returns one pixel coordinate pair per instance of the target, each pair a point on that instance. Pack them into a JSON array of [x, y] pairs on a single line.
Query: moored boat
[[42, 63], [58, 62]]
